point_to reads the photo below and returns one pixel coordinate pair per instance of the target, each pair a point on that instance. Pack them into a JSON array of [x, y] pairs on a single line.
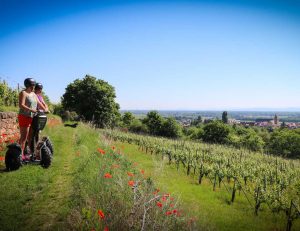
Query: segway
[[42, 149]]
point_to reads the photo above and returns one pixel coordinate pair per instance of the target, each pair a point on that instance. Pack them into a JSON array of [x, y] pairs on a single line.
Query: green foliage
[[138, 127], [285, 143], [170, 128], [94, 99], [153, 122], [225, 117], [197, 121], [246, 138], [216, 132], [127, 118], [8, 96], [194, 133]]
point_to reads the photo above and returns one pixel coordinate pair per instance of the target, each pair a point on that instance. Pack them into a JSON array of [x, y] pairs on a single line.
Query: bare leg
[[23, 137]]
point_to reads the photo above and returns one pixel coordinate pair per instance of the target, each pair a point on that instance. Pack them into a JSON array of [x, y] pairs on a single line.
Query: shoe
[[26, 158]]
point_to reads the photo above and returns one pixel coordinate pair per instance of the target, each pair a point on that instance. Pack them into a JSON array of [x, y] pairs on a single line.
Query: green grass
[[68, 195], [212, 209], [35, 197]]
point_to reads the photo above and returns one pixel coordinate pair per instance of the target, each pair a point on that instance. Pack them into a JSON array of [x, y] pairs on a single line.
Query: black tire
[[45, 157], [13, 157], [49, 145]]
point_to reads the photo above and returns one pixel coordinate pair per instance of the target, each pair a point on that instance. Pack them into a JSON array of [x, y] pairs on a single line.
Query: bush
[[216, 132]]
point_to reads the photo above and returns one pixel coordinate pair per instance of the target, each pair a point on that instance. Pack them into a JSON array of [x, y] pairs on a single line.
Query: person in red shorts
[[28, 103]]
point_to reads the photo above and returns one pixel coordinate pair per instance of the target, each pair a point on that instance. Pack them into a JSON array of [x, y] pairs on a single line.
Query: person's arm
[[41, 105], [22, 105]]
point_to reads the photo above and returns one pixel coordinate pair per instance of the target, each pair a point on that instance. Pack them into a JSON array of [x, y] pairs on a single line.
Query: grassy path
[[34, 198], [211, 209]]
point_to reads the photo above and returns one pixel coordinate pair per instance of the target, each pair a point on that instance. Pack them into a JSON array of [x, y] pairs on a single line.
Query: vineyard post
[[233, 190], [289, 219]]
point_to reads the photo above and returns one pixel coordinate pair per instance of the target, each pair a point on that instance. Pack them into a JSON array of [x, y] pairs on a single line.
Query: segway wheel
[[13, 157], [49, 145], [45, 157]]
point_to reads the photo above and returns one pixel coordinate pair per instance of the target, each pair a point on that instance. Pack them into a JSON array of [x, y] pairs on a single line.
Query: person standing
[[38, 91], [28, 103]]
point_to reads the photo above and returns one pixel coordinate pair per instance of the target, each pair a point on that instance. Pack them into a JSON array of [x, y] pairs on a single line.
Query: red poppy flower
[[168, 213], [130, 174], [143, 171], [159, 204], [101, 214], [171, 205], [107, 175], [175, 211], [2, 158], [106, 228], [131, 183], [164, 198], [101, 151]]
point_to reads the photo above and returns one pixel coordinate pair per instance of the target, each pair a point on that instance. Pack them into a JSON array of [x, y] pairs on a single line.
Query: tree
[[127, 118], [138, 127], [225, 117], [170, 128], [154, 122], [197, 121], [94, 99], [216, 132], [285, 143]]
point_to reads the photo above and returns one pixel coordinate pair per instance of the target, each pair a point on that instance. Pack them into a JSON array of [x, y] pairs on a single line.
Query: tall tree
[[154, 122], [94, 99], [225, 117]]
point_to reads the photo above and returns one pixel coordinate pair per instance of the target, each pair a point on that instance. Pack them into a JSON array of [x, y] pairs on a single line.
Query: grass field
[[70, 194]]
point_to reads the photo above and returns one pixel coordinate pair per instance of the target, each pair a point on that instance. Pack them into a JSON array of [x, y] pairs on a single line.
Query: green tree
[[153, 122], [170, 128], [197, 121], [216, 132], [225, 117], [127, 118], [94, 99], [285, 143], [138, 127]]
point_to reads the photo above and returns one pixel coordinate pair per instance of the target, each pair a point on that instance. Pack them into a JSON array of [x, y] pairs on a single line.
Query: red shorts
[[24, 121]]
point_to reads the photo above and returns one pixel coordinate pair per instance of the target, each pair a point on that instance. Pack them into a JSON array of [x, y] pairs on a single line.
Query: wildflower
[[107, 175], [167, 195], [142, 171], [171, 198], [101, 214], [101, 151], [171, 205], [106, 228], [168, 213], [159, 204], [131, 183], [113, 147], [175, 211], [164, 198], [130, 174], [2, 158]]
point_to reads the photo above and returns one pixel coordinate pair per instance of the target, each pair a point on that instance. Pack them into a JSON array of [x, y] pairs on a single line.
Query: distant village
[[259, 122]]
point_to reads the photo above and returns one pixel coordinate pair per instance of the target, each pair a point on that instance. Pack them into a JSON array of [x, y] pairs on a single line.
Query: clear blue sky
[[192, 55]]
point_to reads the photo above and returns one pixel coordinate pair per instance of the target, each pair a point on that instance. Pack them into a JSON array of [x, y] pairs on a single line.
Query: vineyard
[[267, 182]]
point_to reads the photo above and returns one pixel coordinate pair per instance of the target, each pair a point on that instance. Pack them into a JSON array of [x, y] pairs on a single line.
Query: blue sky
[[192, 55]]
